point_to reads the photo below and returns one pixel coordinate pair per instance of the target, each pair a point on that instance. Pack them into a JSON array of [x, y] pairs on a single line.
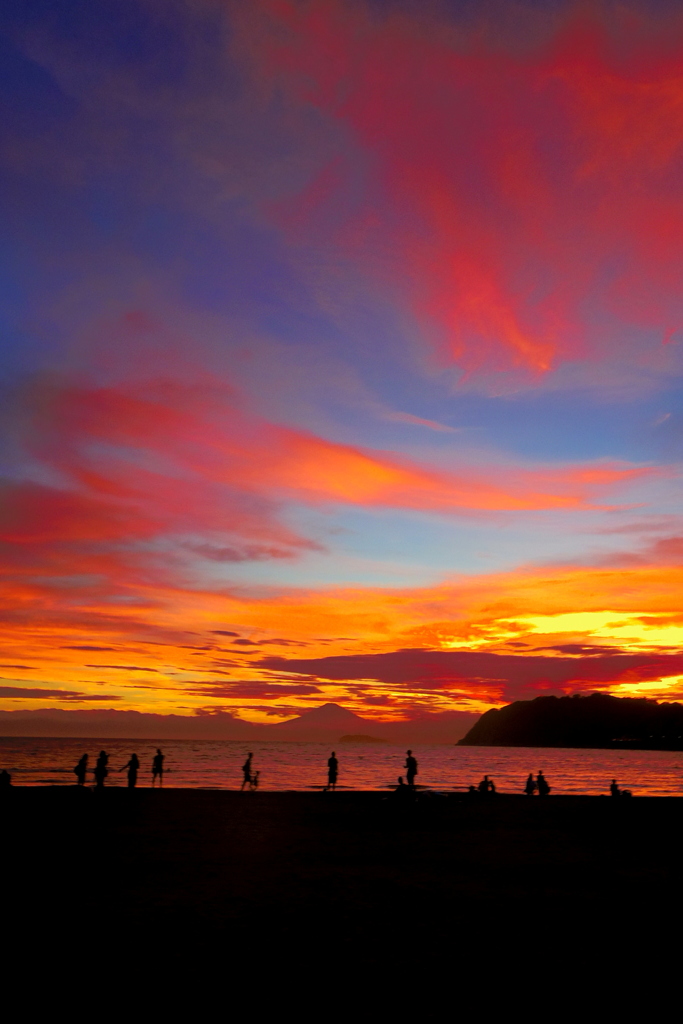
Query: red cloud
[[515, 195], [188, 463], [480, 673], [138, 484]]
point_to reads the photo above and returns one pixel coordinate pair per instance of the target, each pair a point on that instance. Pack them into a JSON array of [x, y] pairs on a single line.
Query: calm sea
[[285, 766]]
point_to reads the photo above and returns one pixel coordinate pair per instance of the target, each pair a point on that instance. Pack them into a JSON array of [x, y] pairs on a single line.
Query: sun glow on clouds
[[167, 648], [511, 194], [630, 632]]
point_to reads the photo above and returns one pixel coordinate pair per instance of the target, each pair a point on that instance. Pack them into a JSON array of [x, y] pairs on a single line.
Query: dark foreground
[[297, 891]]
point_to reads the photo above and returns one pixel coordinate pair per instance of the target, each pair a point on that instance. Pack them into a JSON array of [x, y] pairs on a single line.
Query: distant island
[[597, 720]]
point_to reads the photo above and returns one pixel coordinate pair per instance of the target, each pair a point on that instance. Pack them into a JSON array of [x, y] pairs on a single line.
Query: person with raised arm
[[133, 767]]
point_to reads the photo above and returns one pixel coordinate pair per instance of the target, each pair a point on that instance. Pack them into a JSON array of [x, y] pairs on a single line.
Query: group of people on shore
[[101, 769], [487, 786], [250, 778], [536, 785]]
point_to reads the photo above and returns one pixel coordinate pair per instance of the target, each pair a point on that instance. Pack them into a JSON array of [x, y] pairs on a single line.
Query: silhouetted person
[[484, 786], [133, 767], [530, 787], [332, 771], [254, 780], [246, 771], [614, 789], [101, 770], [411, 768], [81, 769], [403, 792], [542, 785], [158, 768], [5, 779], [492, 788]]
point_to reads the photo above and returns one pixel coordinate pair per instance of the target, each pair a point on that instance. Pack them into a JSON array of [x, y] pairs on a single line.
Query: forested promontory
[[597, 720]]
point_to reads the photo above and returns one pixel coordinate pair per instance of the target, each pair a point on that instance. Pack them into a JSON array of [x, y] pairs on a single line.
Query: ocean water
[[206, 764]]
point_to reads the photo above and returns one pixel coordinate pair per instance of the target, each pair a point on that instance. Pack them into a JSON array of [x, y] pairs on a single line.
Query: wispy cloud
[[497, 166]]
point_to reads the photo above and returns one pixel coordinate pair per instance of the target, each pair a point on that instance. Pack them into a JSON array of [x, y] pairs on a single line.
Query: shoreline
[[424, 796], [303, 767]]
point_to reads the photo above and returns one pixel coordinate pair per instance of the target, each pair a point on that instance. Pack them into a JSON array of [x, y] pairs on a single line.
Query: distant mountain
[[595, 721], [108, 723], [325, 724], [329, 720]]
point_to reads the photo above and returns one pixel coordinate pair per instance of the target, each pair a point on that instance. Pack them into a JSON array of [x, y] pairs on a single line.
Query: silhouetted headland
[[594, 721]]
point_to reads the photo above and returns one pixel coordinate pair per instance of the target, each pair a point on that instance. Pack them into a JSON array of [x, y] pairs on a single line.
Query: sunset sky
[[341, 354]]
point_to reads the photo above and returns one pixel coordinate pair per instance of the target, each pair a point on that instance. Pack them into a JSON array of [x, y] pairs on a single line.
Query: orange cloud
[[318, 470], [175, 459], [500, 632], [104, 593]]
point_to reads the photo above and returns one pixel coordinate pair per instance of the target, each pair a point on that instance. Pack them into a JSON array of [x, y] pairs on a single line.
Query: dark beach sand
[[297, 885]]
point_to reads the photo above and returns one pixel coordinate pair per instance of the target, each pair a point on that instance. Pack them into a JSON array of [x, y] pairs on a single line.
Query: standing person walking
[[158, 768], [81, 769], [411, 768], [332, 772], [101, 770], [133, 768], [246, 771]]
